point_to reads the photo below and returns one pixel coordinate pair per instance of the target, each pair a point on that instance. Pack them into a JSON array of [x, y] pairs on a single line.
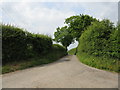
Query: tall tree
[[75, 26], [64, 36]]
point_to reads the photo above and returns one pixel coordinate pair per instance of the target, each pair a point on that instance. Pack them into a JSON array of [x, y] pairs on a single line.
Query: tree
[[100, 39], [64, 36], [75, 26]]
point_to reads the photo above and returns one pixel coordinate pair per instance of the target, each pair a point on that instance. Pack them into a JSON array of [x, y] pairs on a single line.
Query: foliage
[[57, 46], [13, 43], [114, 44], [56, 52], [96, 40], [75, 26], [19, 44], [63, 35], [72, 51], [41, 43], [104, 63]]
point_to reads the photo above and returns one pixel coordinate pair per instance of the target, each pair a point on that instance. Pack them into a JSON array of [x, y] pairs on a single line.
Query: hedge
[[18, 44], [14, 43], [101, 39], [58, 47]]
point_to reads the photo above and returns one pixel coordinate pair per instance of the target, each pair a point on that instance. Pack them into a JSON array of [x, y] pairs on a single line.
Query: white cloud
[[102, 10], [41, 18], [36, 19], [60, 0]]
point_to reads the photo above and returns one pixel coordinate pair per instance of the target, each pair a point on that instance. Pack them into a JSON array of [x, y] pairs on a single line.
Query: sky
[[45, 17]]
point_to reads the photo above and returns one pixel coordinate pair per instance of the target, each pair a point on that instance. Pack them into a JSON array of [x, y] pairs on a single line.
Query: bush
[[98, 38], [54, 54], [41, 43], [104, 63], [58, 49], [13, 43], [18, 44], [57, 46], [114, 47], [72, 51]]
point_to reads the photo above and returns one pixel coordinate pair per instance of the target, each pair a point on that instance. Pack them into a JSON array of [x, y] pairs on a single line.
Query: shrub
[[114, 47], [57, 46], [98, 38], [41, 43], [13, 43], [59, 49], [72, 51], [18, 44]]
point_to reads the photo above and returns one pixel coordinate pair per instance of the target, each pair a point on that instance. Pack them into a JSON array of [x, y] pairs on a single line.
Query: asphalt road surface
[[68, 72]]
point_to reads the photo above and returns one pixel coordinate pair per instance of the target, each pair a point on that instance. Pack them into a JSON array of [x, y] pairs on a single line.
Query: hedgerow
[[101, 39], [14, 43], [58, 47], [41, 43], [18, 44]]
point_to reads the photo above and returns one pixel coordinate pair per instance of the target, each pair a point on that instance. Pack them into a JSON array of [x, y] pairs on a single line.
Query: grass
[[104, 63], [36, 61], [72, 51]]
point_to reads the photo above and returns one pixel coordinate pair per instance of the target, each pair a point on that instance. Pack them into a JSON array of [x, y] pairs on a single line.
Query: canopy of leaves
[[64, 36], [77, 24], [101, 38]]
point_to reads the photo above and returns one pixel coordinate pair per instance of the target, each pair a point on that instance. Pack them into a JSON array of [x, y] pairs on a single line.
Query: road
[[68, 72]]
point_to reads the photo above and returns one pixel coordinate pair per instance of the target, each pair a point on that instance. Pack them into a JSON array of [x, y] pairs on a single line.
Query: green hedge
[[13, 43], [72, 51], [58, 50], [41, 43], [114, 44], [101, 39], [58, 47], [18, 44]]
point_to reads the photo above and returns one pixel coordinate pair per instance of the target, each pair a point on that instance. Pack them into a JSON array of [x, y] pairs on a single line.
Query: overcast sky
[[45, 17]]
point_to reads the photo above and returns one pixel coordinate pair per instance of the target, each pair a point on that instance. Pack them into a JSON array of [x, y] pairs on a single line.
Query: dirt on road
[[68, 72]]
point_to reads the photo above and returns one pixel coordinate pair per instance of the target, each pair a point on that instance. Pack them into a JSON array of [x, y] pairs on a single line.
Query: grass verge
[[72, 51], [43, 59], [104, 63]]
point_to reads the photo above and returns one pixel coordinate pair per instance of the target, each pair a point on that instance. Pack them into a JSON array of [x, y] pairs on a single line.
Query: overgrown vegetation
[[101, 39], [72, 51], [104, 63], [52, 55], [21, 49], [75, 25], [101, 62], [19, 44], [99, 45]]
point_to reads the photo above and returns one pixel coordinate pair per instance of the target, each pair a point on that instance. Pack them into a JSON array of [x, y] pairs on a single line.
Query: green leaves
[[18, 44], [75, 26], [13, 43], [41, 43], [64, 36], [100, 39]]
